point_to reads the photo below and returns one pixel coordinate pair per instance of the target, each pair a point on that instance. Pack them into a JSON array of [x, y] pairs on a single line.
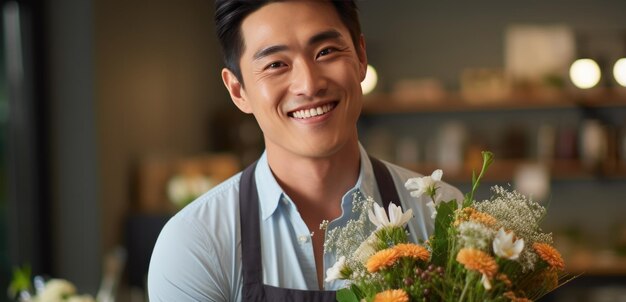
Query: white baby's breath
[[324, 225], [344, 240], [475, 235], [517, 213]]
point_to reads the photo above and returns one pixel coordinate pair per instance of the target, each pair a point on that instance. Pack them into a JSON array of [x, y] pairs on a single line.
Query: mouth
[[313, 111]]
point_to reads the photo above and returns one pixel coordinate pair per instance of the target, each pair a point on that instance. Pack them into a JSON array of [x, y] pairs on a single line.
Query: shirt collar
[[270, 192], [366, 183]]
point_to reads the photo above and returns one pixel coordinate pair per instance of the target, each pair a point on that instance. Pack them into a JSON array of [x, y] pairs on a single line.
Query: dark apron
[[253, 287]]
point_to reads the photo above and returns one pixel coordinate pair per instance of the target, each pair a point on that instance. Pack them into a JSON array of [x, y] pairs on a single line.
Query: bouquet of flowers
[[492, 250]]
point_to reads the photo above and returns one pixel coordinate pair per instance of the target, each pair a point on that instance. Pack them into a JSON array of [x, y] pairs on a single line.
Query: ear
[[362, 54], [237, 93]]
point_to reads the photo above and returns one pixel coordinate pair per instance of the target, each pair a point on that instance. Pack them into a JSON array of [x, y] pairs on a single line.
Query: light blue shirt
[[197, 256]]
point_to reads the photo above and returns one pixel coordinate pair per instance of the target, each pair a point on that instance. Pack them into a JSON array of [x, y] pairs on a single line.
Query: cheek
[[269, 94], [349, 74]]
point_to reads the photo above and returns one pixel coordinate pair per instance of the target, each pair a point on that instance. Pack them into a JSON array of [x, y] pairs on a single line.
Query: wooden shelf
[[591, 264], [504, 170], [386, 104]]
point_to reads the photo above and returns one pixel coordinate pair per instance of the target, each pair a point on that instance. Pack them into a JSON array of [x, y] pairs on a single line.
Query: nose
[[307, 79]]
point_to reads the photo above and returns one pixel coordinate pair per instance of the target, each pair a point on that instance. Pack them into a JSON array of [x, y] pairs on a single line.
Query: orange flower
[[467, 214], [505, 279], [484, 218], [414, 251], [382, 259], [392, 295], [477, 260], [550, 255], [511, 295]]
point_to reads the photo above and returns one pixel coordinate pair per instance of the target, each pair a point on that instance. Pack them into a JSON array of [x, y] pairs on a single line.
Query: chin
[[324, 149]]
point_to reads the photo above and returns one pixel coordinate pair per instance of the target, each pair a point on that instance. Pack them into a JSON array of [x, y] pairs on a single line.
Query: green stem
[[464, 290], [487, 160]]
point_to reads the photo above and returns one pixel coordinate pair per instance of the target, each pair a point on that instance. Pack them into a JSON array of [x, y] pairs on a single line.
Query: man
[[297, 67]]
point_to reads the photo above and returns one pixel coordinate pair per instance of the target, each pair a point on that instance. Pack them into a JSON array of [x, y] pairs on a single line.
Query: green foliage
[[390, 236], [440, 241], [20, 281], [346, 295]]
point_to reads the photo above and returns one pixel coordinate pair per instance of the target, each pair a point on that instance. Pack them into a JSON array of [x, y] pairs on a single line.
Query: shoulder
[[217, 209], [190, 249], [221, 200]]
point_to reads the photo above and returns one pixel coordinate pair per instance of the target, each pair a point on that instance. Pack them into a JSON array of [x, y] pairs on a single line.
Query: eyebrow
[[325, 35], [268, 51], [320, 37]]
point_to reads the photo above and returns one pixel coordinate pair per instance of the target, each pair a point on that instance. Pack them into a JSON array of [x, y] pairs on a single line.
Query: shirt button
[[303, 239]]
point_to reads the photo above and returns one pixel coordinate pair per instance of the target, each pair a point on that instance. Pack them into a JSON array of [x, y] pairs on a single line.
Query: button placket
[[302, 239], [298, 223]]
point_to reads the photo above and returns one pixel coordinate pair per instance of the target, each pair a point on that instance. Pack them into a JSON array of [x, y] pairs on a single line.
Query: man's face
[[302, 77]]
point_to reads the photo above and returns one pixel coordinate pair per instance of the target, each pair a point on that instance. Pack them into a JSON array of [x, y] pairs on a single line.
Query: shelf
[[595, 264], [386, 104], [504, 170]]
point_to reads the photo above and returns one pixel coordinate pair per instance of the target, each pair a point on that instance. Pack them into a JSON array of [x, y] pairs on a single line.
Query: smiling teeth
[[306, 113]]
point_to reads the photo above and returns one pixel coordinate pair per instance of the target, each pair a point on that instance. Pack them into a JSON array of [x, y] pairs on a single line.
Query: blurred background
[[113, 116]]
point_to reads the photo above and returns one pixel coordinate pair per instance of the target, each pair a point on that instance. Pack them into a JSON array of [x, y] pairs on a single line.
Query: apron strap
[[386, 186], [252, 267]]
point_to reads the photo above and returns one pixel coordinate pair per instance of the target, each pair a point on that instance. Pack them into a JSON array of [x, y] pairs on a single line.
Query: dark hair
[[229, 15]]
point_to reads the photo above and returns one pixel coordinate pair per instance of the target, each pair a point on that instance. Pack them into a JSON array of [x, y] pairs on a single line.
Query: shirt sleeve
[[184, 266]]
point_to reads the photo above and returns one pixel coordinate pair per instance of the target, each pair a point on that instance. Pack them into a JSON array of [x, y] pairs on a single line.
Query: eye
[[275, 65], [326, 51]]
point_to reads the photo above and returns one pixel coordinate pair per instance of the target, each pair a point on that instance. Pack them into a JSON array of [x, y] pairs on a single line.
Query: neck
[[316, 182]]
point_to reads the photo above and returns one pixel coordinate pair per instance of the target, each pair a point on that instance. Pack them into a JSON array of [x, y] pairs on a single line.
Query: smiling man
[[297, 67]]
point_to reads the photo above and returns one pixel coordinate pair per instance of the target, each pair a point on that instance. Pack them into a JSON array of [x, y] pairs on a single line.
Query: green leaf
[[443, 222], [346, 295], [20, 281]]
